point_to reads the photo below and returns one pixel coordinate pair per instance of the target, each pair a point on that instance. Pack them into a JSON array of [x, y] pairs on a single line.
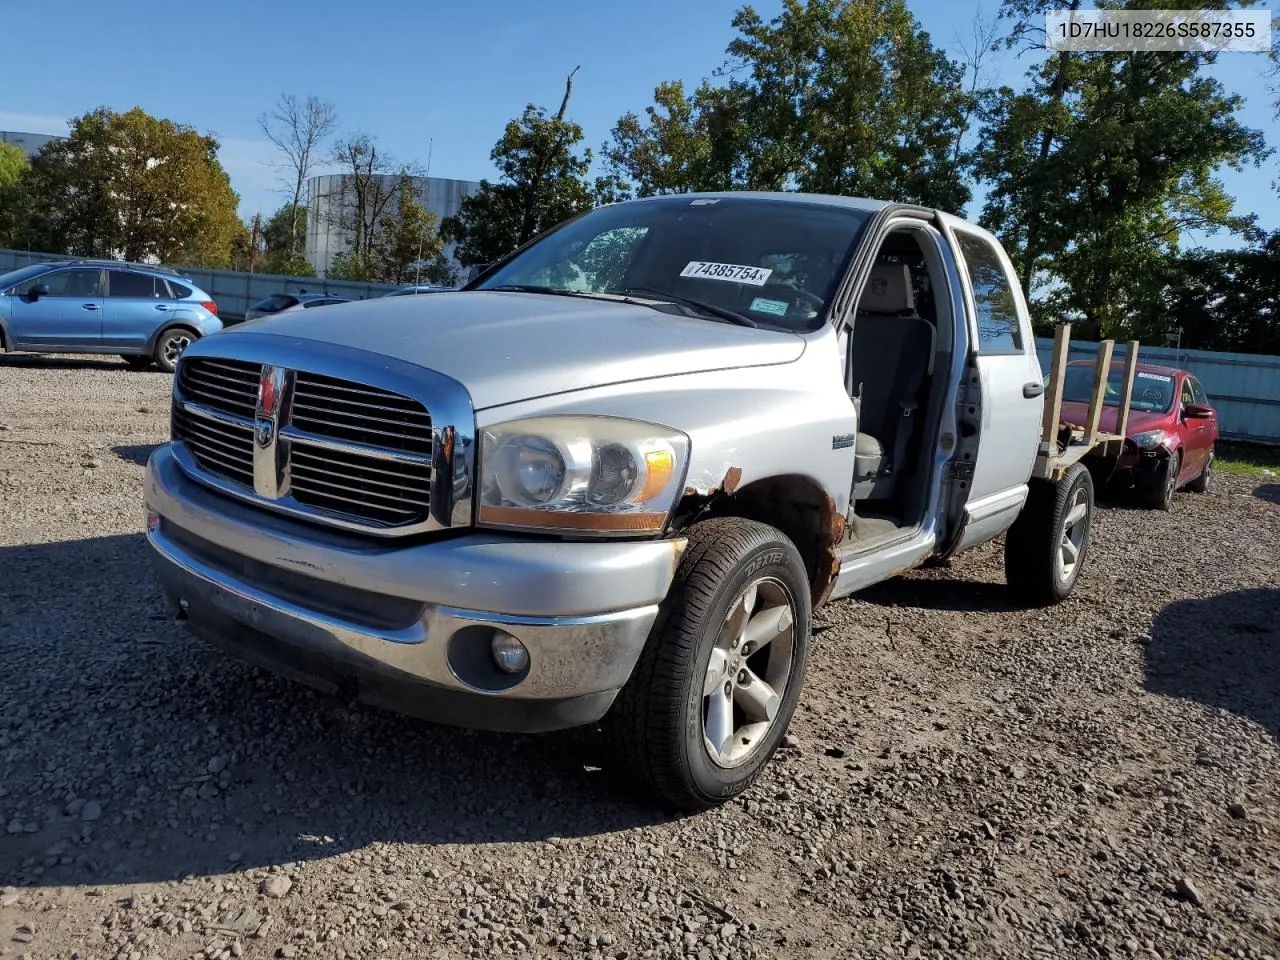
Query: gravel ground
[[963, 777]]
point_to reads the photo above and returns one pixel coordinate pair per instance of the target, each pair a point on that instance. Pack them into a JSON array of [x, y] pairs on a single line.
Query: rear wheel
[[719, 678], [1045, 549], [169, 347], [1201, 483]]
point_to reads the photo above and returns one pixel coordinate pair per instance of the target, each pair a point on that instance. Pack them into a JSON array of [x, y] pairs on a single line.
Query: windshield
[[775, 263], [1152, 392], [14, 277]]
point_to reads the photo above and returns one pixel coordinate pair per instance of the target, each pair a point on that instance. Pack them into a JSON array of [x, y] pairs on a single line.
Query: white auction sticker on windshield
[[732, 272], [1154, 376]]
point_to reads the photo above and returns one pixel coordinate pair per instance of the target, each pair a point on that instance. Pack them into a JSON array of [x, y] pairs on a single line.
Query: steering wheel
[[1153, 394], [815, 302]]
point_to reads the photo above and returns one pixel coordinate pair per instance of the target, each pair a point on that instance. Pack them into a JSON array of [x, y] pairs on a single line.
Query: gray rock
[[1189, 891], [91, 811], [277, 885]]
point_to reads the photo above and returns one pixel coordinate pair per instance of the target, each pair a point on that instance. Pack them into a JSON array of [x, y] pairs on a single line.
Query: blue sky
[[429, 79]]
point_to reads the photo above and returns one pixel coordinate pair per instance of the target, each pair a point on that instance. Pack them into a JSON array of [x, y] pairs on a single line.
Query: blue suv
[[144, 314]]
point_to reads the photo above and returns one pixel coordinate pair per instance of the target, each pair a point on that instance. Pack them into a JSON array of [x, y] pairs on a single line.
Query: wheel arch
[[795, 504], [179, 324]]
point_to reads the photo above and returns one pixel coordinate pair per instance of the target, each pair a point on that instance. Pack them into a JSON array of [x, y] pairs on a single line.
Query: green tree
[[686, 143], [247, 248], [134, 186], [830, 96], [543, 182], [408, 243], [1222, 299], [279, 240], [13, 164], [13, 168], [1100, 166], [851, 97]]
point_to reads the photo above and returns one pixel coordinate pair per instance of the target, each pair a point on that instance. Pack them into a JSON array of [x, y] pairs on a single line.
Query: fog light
[[509, 653]]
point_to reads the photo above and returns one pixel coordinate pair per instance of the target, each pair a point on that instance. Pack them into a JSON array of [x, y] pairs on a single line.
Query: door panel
[[1009, 394], [69, 316], [136, 305], [1197, 434]]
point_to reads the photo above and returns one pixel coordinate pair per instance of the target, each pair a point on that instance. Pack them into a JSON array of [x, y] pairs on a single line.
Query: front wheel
[[1044, 550], [169, 347], [721, 673]]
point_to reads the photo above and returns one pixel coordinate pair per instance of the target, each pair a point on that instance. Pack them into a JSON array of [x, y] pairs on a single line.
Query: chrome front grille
[[333, 408], [221, 447], [388, 492], [334, 450], [227, 385]]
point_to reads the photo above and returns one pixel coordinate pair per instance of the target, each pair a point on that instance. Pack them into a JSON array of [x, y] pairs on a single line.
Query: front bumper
[[1141, 469], [408, 626]]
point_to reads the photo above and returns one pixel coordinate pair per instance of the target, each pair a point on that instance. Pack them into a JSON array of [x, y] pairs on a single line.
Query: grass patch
[[1246, 459]]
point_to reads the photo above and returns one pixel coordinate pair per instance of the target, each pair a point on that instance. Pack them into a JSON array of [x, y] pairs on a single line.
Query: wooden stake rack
[[1054, 457]]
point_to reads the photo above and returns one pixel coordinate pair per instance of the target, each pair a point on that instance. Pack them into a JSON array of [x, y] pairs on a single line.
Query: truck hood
[[506, 347], [1077, 414]]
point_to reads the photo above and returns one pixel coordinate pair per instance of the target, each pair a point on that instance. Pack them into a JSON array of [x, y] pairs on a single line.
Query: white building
[[326, 237], [30, 142]]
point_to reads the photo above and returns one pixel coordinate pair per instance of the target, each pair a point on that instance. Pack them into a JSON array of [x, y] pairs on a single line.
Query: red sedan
[[1171, 431]]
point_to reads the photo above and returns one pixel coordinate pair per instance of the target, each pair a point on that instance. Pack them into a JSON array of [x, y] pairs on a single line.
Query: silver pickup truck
[[610, 479]]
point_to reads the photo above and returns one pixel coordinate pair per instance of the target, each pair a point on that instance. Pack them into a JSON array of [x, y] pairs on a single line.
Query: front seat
[[891, 358]]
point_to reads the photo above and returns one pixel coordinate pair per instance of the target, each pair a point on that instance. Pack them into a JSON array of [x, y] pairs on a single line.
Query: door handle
[[89, 306], [1033, 389], [162, 306]]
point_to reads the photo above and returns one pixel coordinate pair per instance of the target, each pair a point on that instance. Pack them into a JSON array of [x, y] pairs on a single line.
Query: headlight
[[580, 473], [1149, 440]]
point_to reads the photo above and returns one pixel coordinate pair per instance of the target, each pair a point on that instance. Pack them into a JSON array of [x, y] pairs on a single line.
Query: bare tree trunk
[[297, 130], [985, 30], [540, 170]]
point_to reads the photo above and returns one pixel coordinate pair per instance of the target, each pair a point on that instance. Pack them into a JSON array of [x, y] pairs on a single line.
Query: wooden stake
[[1057, 377], [1130, 371], [1100, 372]]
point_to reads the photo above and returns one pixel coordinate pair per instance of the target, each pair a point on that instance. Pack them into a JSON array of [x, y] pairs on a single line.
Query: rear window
[[179, 291], [275, 304], [122, 283]]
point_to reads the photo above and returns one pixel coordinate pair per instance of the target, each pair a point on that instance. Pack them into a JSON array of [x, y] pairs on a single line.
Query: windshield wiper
[[722, 313], [531, 288]]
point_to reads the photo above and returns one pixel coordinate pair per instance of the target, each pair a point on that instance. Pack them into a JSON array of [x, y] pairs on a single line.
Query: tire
[[136, 361], [1160, 496], [1036, 564], [169, 346], [1201, 483], [658, 725]]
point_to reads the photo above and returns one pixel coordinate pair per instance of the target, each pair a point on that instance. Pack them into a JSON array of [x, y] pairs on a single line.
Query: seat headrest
[[888, 290]]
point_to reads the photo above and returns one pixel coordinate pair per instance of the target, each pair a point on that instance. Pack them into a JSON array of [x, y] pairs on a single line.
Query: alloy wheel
[[748, 672], [174, 346], [1074, 528]]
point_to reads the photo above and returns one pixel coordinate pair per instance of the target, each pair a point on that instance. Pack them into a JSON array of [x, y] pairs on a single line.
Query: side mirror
[[1197, 411], [39, 290]]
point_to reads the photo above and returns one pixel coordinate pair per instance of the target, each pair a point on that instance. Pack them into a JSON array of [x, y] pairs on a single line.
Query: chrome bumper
[[409, 627]]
